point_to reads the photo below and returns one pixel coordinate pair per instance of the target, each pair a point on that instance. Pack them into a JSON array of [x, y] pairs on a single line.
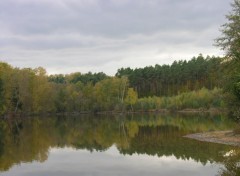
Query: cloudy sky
[[67, 36]]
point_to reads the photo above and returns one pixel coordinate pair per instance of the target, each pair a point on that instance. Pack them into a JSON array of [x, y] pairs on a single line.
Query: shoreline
[[187, 110], [219, 137]]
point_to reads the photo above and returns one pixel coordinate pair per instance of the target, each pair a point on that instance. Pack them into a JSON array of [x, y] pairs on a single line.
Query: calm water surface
[[114, 145]]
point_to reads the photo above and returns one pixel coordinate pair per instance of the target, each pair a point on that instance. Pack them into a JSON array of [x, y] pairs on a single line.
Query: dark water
[[115, 145]]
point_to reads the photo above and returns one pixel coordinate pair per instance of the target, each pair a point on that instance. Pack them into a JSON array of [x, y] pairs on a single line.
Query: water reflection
[[111, 162], [154, 140], [231, 163]]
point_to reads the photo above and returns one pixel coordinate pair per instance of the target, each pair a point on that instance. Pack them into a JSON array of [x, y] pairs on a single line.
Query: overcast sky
[[67, 36]]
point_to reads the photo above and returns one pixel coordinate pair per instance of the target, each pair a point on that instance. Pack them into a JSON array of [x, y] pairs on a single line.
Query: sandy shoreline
[[220, 137]]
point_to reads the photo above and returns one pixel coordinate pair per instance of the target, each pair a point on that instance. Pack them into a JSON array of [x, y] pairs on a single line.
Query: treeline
[[33, 91], [78, 77], [184, 84], [181, 76]]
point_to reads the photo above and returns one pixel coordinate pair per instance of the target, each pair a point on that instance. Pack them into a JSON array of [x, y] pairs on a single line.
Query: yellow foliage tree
[[131, 97]]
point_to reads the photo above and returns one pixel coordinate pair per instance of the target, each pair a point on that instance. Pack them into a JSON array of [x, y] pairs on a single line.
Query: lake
[[106, 145]]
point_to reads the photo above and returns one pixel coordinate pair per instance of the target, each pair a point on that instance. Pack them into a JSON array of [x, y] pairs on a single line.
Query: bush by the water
[[202, 98]]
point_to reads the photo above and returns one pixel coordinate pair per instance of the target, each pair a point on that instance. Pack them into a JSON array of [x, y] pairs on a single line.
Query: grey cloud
[[109, 18], [91, 34]]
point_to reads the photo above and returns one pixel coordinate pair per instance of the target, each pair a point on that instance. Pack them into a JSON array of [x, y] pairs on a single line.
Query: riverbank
[[198, 110], [220, 137]]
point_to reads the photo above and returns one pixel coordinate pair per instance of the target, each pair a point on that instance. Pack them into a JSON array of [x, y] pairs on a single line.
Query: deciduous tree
[[131, 97], [229, 41]]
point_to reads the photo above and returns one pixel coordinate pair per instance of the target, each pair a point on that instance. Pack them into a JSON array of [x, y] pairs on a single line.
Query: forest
[[183, 84], [200, 83], [181, 76], [178, 118]]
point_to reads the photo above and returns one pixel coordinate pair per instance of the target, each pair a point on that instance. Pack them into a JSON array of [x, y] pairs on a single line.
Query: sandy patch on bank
[[221, 137]]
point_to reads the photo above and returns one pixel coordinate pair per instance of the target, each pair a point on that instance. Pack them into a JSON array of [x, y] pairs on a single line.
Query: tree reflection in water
[[231, 163], [29, 139]]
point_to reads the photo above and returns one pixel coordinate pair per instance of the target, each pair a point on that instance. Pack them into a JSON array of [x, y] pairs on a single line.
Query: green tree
[[1, 97], [229, 41]]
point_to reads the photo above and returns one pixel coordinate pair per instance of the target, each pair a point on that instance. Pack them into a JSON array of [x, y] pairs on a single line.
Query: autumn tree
[[42, 92], [9, 88], [131, 97], [110, 93]]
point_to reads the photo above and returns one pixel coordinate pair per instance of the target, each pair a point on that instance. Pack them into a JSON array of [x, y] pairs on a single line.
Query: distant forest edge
[[181, 76], [194, 84]]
